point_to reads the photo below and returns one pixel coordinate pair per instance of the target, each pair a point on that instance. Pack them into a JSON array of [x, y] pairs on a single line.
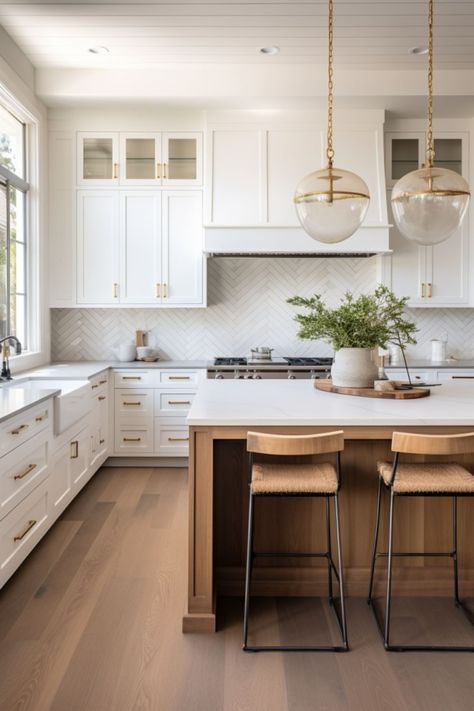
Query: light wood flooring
[[92, 622]]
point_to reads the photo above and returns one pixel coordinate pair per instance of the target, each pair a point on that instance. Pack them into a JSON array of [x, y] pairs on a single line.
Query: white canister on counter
[[438, 350]]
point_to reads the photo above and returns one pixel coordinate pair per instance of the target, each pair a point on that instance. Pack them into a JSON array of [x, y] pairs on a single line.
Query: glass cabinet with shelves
[[97, 158]]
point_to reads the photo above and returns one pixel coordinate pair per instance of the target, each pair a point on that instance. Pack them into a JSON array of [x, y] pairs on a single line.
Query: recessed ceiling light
[[419, 50], [98, 50], [269, 50]]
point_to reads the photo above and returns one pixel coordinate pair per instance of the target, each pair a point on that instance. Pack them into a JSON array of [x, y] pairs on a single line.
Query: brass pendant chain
[[430, 154], [330, 149]]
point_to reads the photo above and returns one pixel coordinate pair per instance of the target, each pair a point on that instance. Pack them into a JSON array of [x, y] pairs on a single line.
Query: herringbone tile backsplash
[[247, 307]]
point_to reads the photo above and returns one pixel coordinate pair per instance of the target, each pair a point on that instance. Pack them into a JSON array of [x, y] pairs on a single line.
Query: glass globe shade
[[331, 204], [429, 204]]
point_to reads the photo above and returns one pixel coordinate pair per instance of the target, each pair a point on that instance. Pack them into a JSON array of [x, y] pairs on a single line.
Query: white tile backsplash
[[246, 307]]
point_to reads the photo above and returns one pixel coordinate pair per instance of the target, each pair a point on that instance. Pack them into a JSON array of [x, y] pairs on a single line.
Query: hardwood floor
[[92, 622]]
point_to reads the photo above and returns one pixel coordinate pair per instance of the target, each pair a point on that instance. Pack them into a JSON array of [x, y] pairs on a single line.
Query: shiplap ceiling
[[373, 34]]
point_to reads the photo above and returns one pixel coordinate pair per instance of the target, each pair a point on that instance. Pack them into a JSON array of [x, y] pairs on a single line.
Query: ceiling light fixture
[[331, 203], [269, 50], [429, 204], [98, 50]]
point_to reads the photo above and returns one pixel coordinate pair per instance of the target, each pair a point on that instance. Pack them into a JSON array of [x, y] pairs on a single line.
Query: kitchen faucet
[[6, 374]]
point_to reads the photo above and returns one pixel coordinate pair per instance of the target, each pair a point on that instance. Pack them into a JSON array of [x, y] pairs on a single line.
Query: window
[[13, 233]]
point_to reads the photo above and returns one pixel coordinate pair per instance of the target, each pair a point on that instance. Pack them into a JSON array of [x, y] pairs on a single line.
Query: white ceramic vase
[[354, 368]]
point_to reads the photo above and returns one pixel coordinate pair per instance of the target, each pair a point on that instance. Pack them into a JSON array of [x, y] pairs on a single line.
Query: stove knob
[[291, 376], [219, 376], [257, 377]]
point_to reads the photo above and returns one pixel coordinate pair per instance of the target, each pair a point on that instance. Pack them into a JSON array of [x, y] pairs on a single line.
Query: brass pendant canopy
[[331, 203], [429, 204]]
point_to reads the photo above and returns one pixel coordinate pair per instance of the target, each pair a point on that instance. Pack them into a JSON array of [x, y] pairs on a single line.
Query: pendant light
[[429, 204], [331, 203]]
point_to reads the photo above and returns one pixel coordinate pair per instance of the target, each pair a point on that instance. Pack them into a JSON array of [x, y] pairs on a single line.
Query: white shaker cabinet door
[[183, 260], [140, 226], [97, 247], [291, 155]]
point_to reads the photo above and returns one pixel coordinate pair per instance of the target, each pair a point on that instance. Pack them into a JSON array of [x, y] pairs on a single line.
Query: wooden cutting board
[[328, 387]]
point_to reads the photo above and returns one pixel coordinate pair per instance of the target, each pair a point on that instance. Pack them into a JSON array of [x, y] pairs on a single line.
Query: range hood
[[291, 242]]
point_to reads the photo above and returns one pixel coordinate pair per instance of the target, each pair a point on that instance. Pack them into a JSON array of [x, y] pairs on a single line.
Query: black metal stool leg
[[455, 550], [341, 573], [248, 571], [389, 571], [376, 540], [329, 547]]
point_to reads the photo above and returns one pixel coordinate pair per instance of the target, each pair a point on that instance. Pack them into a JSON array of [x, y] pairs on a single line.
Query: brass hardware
[[96, 385], [116, 171], [179, 377], [165, 291], [132, 439], [158, 291], [158, 171], [101, 441], [423, 294], [101, 397], [178, 439], [430, 290], [133, 403], [26, 472], [40, 418], [74, 449], [165, 170], [179, 402], [102, 382], [116, 286], [131, 377], [30, 525], [462, 377], [19, 429]]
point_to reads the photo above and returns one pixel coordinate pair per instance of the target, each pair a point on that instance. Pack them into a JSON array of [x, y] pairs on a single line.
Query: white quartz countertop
[[297, 402], [88, 369], [16, 398]]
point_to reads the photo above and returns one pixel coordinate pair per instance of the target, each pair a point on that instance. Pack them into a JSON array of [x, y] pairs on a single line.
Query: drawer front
[[133, 405], [456, 375], [21, 530], [133, 379], [21, 471], [99, 382], [173, 404], [133, 440], [23, 427], [178, 378], [171, 440]]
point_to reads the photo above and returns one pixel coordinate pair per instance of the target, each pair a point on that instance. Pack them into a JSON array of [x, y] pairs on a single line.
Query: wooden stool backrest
[[261, 443], [405, 442]]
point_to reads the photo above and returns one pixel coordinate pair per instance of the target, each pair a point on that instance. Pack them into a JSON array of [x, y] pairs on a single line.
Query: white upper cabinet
[[97, 158], [140, 159], [182, 159], [97, 247], [183, 261], [436, 276]]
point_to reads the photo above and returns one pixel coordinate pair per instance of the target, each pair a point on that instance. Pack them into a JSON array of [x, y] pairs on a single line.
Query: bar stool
[[288, 479], [421, 479]]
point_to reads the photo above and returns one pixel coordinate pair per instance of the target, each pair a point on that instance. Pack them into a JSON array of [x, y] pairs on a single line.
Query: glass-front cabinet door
[[182, 159], [97, 158], [140, 159]]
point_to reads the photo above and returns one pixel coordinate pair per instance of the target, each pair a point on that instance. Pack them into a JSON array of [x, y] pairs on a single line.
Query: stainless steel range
[[258, 368]]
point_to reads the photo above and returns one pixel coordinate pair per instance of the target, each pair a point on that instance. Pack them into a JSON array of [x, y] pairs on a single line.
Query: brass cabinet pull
[[158, 291], [165, 170], [116, 171], [101, 397], [102, 382], [28, 528], [423, 290], [430, 290], [40, 418], [179, 377], [138, 402], [96, 385], [26, 472], [101, 441], [74, 449], [462, 377], [178, 439], [116, 286], [131, 377], [132, 439], [158, 171], [179, 402], [19, 429], [165, 291]]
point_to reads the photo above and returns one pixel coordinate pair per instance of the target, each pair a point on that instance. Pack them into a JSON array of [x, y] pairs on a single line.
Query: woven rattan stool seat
[[284, 478], [428, 477]]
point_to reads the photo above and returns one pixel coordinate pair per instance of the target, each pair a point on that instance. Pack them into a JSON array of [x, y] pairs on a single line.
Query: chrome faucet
[[6, 374]]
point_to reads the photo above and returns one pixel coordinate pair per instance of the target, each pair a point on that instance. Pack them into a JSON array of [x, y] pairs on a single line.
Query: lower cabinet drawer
[[21, 530], [171, 440], [22, 427], [21, 471], [173, 404], [134, 440], [133, 404]]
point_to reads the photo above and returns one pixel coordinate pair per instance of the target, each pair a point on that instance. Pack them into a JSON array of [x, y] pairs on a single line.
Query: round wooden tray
[[328, 387]]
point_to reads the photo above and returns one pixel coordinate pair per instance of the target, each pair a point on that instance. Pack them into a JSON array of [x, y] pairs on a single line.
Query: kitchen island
[[225, 410]]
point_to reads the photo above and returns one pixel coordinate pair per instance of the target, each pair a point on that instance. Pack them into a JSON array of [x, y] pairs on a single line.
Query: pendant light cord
[[430, 154], [330, 149]]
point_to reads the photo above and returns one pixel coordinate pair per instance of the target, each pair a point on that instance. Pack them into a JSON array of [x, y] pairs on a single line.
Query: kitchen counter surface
[[437, 365], [17, 398], [298, 403], [88, 369]]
